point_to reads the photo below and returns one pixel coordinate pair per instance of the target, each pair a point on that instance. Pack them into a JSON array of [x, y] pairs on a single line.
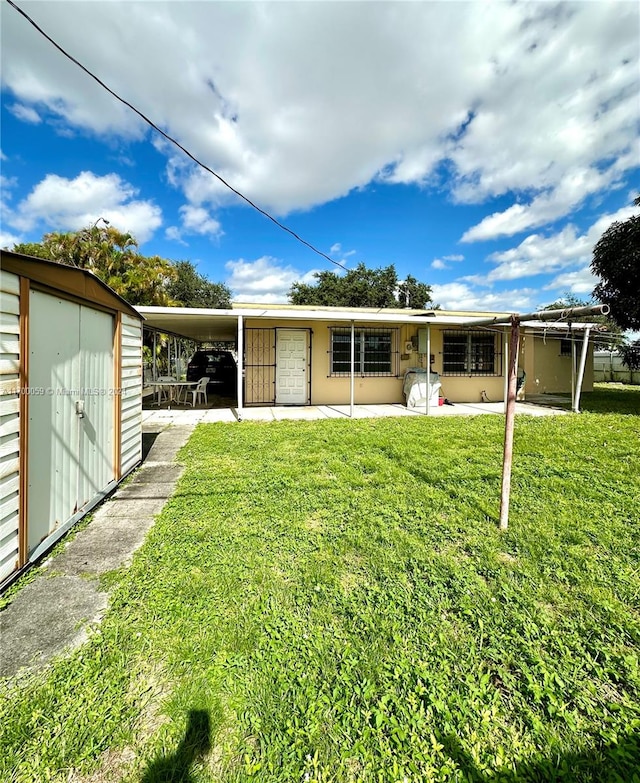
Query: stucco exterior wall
[[331, 390], [547, 371], [551, 371]]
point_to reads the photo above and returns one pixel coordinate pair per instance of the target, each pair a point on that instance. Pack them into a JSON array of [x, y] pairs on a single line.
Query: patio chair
[[199, 391], [164, 392]]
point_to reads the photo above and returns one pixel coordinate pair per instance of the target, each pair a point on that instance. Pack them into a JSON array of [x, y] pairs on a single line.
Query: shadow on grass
[[615, 762], [176, 768]]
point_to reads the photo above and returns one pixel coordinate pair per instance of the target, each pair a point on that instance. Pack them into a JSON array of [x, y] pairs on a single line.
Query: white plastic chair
[[164, 391], [199, 391]]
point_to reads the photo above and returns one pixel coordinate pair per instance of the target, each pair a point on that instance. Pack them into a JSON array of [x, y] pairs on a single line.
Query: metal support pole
[[428, 369], [509, 424], [240, 344], [352, 391], [154, 367], [573, 372], [583, 361]]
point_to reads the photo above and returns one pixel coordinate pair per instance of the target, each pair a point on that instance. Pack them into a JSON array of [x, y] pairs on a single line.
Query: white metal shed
[[70, 401]]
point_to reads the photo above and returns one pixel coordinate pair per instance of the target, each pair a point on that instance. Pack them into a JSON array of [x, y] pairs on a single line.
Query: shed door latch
[[80, 409]]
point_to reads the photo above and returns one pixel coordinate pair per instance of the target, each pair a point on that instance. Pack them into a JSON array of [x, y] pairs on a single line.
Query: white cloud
[[460, 296], [570, 192], [174, 234], [69, 204], [580, 281], [538, 99], [441, 263], [264, 280], [539, 254], [25, 113], [197, 220], [336, 248], [8, 240]]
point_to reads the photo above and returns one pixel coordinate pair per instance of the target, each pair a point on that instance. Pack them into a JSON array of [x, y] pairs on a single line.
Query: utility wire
[[170, 138]]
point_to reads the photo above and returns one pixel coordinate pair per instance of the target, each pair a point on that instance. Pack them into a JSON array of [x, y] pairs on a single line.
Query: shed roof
[[70, 280]]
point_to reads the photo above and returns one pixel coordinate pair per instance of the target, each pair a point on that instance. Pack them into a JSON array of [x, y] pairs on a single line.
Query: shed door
[[70, 458], [96, 453], [291, 366]]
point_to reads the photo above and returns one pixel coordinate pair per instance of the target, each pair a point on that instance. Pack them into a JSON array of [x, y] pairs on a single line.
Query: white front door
[[291, 366]]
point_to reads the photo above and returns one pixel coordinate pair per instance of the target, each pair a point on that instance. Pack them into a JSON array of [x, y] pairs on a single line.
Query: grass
[[332, 601], [609, 398]]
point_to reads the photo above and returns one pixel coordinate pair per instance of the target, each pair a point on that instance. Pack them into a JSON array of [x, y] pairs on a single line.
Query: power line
[[171, 139]]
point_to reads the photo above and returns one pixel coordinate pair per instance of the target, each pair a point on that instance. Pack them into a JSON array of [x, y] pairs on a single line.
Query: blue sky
[[481, 147]]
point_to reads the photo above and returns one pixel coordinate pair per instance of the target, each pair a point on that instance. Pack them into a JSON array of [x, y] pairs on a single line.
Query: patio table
[[175, 389]]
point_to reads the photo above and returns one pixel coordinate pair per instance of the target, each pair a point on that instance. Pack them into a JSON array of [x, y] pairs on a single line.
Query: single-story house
[[71, 378], [70, 401], [292, 355]]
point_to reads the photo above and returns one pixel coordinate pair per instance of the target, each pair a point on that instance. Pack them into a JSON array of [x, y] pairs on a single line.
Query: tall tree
[[616, 261], [113, 256], [192, 289], [413, 294], [362, 287], [630, 353]]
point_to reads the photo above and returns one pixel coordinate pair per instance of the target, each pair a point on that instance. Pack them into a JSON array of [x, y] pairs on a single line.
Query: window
[[566, 347], [471, 353], [375, 352]]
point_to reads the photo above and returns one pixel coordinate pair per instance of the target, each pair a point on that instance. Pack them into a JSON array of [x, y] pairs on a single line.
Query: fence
[[608, 366]]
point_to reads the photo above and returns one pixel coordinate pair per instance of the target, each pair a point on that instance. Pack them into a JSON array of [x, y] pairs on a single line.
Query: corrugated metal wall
[[131, 400], [9, 421]]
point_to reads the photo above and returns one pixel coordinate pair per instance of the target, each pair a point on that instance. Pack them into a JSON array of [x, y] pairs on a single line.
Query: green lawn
[[333, 601], [610, 398]]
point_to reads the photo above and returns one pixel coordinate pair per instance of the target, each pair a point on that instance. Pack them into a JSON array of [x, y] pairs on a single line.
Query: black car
[[219, 367]]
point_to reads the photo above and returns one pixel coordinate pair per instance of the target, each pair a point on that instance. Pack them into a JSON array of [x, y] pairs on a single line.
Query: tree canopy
[[113, 256], [630, 353], [616, 261], [362, 287], [192, 289]]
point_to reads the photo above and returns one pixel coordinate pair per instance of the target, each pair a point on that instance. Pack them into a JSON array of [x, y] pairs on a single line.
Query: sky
[[481, 147]]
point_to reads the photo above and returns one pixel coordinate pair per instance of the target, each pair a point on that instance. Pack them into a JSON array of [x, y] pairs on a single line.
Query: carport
[[273, 335], [183, 330]]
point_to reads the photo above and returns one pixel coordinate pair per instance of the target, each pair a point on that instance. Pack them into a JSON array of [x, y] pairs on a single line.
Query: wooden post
[[505, 371], [509, 423]]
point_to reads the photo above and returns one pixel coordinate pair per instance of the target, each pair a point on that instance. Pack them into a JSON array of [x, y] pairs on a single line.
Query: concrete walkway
[[51, 615]]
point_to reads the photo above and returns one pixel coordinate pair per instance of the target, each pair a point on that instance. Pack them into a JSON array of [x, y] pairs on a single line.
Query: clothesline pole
[[509, 424]]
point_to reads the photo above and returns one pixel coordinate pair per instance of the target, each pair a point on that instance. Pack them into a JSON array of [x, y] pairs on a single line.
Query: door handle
[[80, 409]]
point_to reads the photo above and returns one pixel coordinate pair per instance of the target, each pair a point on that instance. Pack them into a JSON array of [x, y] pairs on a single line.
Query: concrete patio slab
[[312, 412]]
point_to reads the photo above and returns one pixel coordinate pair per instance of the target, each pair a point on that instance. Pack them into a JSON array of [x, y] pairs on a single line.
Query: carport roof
[[205, 325]]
